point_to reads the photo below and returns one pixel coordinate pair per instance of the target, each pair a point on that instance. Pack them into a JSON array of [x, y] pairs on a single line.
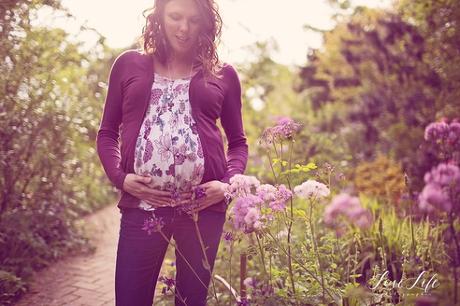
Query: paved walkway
[[85, 280]]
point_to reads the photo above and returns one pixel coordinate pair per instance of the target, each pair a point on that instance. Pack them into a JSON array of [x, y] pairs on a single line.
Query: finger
[[201, 205], [187, 194], [159, 202], [160, 193]]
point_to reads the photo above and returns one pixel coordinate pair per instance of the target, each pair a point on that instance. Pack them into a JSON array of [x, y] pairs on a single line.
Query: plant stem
[[300, 264], [230, 268], [291, 274], [457, 257], [271, 167], [315, 247], [262, 254], [207, 266], [186, 261]]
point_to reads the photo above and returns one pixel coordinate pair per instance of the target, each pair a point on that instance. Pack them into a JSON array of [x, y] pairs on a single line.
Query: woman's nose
[[183, 27]]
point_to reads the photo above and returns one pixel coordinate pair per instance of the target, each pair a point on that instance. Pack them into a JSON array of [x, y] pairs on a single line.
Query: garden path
[[84, 280]]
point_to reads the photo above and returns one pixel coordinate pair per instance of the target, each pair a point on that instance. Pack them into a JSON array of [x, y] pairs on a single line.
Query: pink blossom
[[454, 133], [241, 208], [444, 175], [442, 185], [346, 208], [432, 197], [252, 218], [266, 192], [282, 195], [285, 128]]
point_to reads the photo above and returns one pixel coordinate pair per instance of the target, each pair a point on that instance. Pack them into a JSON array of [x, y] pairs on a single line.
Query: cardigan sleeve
[[107, 140], [232, 122]]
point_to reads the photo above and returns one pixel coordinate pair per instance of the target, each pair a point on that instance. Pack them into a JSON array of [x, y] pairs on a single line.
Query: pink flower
[[346, 208], [252, 218], [432, 197], [266, 192], [282, 195], [244, 206]]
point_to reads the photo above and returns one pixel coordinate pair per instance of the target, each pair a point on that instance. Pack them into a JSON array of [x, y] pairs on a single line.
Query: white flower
[[310, 189]]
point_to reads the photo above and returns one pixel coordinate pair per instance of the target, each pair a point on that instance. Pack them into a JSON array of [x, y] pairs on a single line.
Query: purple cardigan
[[130, 82]]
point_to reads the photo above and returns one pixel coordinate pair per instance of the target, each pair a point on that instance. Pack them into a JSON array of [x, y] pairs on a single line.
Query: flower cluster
[[276, 197], [441, 189], [251, 198], [312, 189], [443, 132], [285, 128], [153, 224], [346, 208], [246, 213]]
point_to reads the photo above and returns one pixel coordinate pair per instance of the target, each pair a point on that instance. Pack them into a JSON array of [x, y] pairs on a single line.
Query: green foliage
[[51, 99], [381, 178], [382, 76]]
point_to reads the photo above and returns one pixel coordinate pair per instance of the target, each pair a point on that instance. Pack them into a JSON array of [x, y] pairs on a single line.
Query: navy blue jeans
[[140, 255]]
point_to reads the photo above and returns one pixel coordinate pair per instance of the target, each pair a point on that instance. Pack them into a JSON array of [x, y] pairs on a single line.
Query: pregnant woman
[[159, 144]]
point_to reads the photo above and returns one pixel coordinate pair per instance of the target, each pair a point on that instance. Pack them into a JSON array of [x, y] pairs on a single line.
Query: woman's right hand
[[137, 186]]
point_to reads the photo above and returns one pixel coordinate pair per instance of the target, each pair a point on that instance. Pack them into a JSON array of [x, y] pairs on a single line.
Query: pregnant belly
[[172, 167]]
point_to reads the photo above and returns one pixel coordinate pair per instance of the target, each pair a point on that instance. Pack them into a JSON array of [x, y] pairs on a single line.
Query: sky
[[245, 22]]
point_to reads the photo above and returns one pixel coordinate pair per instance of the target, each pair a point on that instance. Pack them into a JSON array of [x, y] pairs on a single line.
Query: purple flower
[[228, 236], [436, 130], [243, 302], [442, 186], [454, 133], [432, 197], [444, 175], [199, 192], [285, 128], [153, 224], [168, 282], [282, 195]]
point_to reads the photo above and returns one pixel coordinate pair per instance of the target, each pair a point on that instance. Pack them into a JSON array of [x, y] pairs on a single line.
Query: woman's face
[[181, 26]]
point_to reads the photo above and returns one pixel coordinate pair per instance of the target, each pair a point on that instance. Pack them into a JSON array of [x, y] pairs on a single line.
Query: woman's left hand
[[214, 191]]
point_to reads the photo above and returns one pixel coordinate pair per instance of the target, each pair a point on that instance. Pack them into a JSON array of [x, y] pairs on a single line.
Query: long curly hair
[[154, 42]]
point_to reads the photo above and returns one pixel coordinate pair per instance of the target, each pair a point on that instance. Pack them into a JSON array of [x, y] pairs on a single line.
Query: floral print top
[[168, 147]]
